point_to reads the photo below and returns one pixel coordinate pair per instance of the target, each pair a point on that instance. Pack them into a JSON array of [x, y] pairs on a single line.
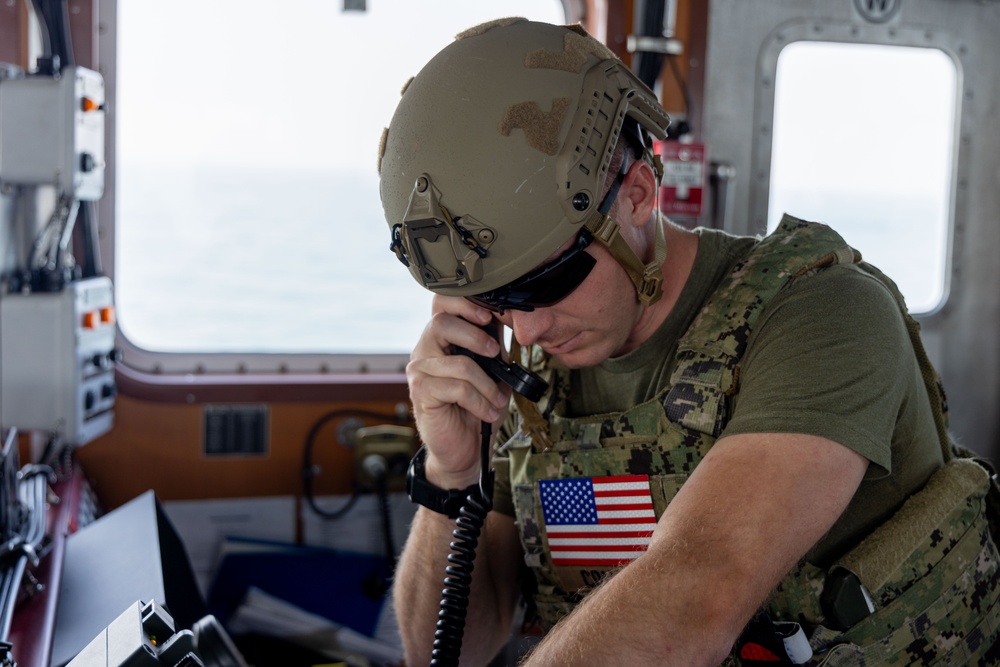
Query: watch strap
[[443, 501]]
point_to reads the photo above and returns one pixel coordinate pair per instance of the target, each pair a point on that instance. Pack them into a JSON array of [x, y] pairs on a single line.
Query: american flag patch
[[598, 521]]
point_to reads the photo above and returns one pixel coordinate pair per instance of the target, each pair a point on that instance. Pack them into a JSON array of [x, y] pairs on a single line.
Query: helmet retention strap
[[647, 278]]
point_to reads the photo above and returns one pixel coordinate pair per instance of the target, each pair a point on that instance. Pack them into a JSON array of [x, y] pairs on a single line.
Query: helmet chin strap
[[647, 278]]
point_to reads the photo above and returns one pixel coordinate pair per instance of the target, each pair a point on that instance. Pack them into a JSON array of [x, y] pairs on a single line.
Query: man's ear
[[639, 193]]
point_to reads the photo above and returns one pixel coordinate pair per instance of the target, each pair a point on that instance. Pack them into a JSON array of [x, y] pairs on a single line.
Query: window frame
[[873, 35], [931, 222]]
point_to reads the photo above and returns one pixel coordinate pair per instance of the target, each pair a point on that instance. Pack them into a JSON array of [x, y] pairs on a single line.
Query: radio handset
[[519, 379], [472, 515]]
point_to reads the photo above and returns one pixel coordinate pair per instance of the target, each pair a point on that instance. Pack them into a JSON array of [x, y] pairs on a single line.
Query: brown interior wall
[[13, 33], [619, 27], [159, 446], [690, 27], [83, 21], [670, 91]]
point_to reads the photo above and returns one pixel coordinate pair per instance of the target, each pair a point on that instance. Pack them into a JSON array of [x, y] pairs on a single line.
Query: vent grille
[[240, 430]]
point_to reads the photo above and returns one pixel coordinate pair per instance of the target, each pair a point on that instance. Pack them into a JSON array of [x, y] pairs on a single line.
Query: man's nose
[[527, 325]]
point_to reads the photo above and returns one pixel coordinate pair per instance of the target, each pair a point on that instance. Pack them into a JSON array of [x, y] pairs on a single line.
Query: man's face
[[591, 324], [600, 318]]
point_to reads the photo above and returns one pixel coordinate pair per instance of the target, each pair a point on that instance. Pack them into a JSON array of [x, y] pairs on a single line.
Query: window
[[864, 140], [248, 214]]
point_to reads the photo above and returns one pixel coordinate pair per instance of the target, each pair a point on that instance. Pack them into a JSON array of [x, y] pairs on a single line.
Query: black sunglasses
[[544, 286]]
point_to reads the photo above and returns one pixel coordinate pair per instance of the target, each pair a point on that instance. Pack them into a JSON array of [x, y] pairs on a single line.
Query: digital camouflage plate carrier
[[931, 570]]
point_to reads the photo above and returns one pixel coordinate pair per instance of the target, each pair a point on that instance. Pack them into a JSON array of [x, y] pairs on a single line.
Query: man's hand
[[450, 393], [451, 396]]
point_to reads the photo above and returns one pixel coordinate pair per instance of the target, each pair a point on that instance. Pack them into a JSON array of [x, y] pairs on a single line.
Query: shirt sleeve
[[829, 357]]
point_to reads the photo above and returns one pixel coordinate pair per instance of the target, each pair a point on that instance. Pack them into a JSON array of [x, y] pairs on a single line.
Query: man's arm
[[420, 578], [451, 396], [750, 510]]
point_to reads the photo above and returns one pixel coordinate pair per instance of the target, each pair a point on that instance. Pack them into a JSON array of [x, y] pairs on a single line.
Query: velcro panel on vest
[[949, 617], [933, 573], [939, 509]]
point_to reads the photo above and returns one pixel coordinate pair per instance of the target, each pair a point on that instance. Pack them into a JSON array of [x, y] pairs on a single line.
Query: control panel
[[52, 132], [57, 354]]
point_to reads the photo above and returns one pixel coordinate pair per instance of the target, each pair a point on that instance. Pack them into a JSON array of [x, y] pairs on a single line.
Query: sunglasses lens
[[546, 286], [555, 285]]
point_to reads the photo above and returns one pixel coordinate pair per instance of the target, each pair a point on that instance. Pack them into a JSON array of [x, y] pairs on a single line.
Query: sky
[[332, 77]]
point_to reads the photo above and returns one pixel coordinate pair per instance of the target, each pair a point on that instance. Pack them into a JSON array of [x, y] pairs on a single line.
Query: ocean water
[[240, 254], [231, 259]]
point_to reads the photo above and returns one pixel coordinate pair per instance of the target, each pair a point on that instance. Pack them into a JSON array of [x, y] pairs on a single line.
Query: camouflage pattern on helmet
[[499, 151], [940, 596]]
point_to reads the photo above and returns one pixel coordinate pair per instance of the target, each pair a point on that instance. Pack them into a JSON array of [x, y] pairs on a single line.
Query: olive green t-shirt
[[829, 356]]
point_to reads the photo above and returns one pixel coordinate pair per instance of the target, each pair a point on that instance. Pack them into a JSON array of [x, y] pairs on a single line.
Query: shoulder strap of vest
[[709, 352], [794, 249]]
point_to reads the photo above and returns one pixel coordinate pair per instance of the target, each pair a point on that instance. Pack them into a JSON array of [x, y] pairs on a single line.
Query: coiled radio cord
[[458, 573]]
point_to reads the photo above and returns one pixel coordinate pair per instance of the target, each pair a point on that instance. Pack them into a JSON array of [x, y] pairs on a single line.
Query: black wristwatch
[[422, 492]]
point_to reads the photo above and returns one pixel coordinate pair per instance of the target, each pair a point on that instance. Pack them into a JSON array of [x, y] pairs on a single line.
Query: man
[[727, 419]]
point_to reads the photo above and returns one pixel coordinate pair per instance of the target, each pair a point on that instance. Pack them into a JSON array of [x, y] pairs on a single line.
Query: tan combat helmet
[[498, 154]]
